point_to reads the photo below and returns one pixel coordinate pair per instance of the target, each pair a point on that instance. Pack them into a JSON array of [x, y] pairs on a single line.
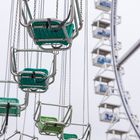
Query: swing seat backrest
[[70, 136], [14, 106], [49, 32], [33, 79], [55, 33], [50, 126]]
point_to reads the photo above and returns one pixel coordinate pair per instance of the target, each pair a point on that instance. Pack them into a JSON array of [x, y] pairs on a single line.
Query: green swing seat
[[67, 136], [50, 126], [14, 107], [44, 35], [34, 79]]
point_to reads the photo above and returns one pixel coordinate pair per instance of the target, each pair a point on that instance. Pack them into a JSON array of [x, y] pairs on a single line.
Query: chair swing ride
[[33, 69], [33, 53]]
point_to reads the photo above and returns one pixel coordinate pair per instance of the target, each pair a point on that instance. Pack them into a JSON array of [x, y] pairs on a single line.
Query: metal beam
[[129, 53]]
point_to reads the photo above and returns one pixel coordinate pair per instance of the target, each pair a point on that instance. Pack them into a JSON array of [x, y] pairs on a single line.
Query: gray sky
[[128, 34]]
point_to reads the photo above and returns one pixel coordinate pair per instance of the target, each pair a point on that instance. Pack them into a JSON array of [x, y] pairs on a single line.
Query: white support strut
[[129, 53]]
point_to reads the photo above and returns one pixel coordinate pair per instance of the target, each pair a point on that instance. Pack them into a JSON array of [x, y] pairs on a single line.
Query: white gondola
[[104, 79], [103, 85], [102, 89], [107, 116], [101, 33], [101, 27], [110, 106], [104, 5], [102, 21], [107, 112], [101, 61], [101, 57], [118, 132]]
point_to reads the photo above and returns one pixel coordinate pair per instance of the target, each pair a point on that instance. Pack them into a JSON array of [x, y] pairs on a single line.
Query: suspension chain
[[35, 3], [81, 8], [57, 5]]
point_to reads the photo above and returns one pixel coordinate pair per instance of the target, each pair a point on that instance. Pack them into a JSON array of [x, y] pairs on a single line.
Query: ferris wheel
[[108, 81], [41, 36]]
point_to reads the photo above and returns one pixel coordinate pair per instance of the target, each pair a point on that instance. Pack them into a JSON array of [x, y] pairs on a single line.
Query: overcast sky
[[128, 34]]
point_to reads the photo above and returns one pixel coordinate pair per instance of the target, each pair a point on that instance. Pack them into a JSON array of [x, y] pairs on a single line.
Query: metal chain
[[81, 8], [14, 42], [16, 21], [35, 1], [57, 5]]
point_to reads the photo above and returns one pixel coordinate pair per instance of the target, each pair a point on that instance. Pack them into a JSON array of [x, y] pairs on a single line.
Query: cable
[[24, 122], [70, 77], [63, 75], [85, 74], [86, 57], [35, 101], [11, 37], [57, 6], [37, 61], [81, 8], [62, 83], [18, 46], [9, 42], [34, 15]]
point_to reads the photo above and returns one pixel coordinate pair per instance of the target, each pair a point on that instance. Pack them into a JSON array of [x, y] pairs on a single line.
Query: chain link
[[16, 22], [81, 8], [57, 5], [35, 3]]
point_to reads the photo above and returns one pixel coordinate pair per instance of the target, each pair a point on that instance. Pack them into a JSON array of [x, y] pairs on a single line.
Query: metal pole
[[129, 53]]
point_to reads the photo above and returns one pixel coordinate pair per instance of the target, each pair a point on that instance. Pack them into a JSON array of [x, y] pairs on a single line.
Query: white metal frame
[[110, 109], [101, 7], [74, 13], [21, 135], [17, 75], [86, 135], [21, 107], [66, 118], [98, 81]]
